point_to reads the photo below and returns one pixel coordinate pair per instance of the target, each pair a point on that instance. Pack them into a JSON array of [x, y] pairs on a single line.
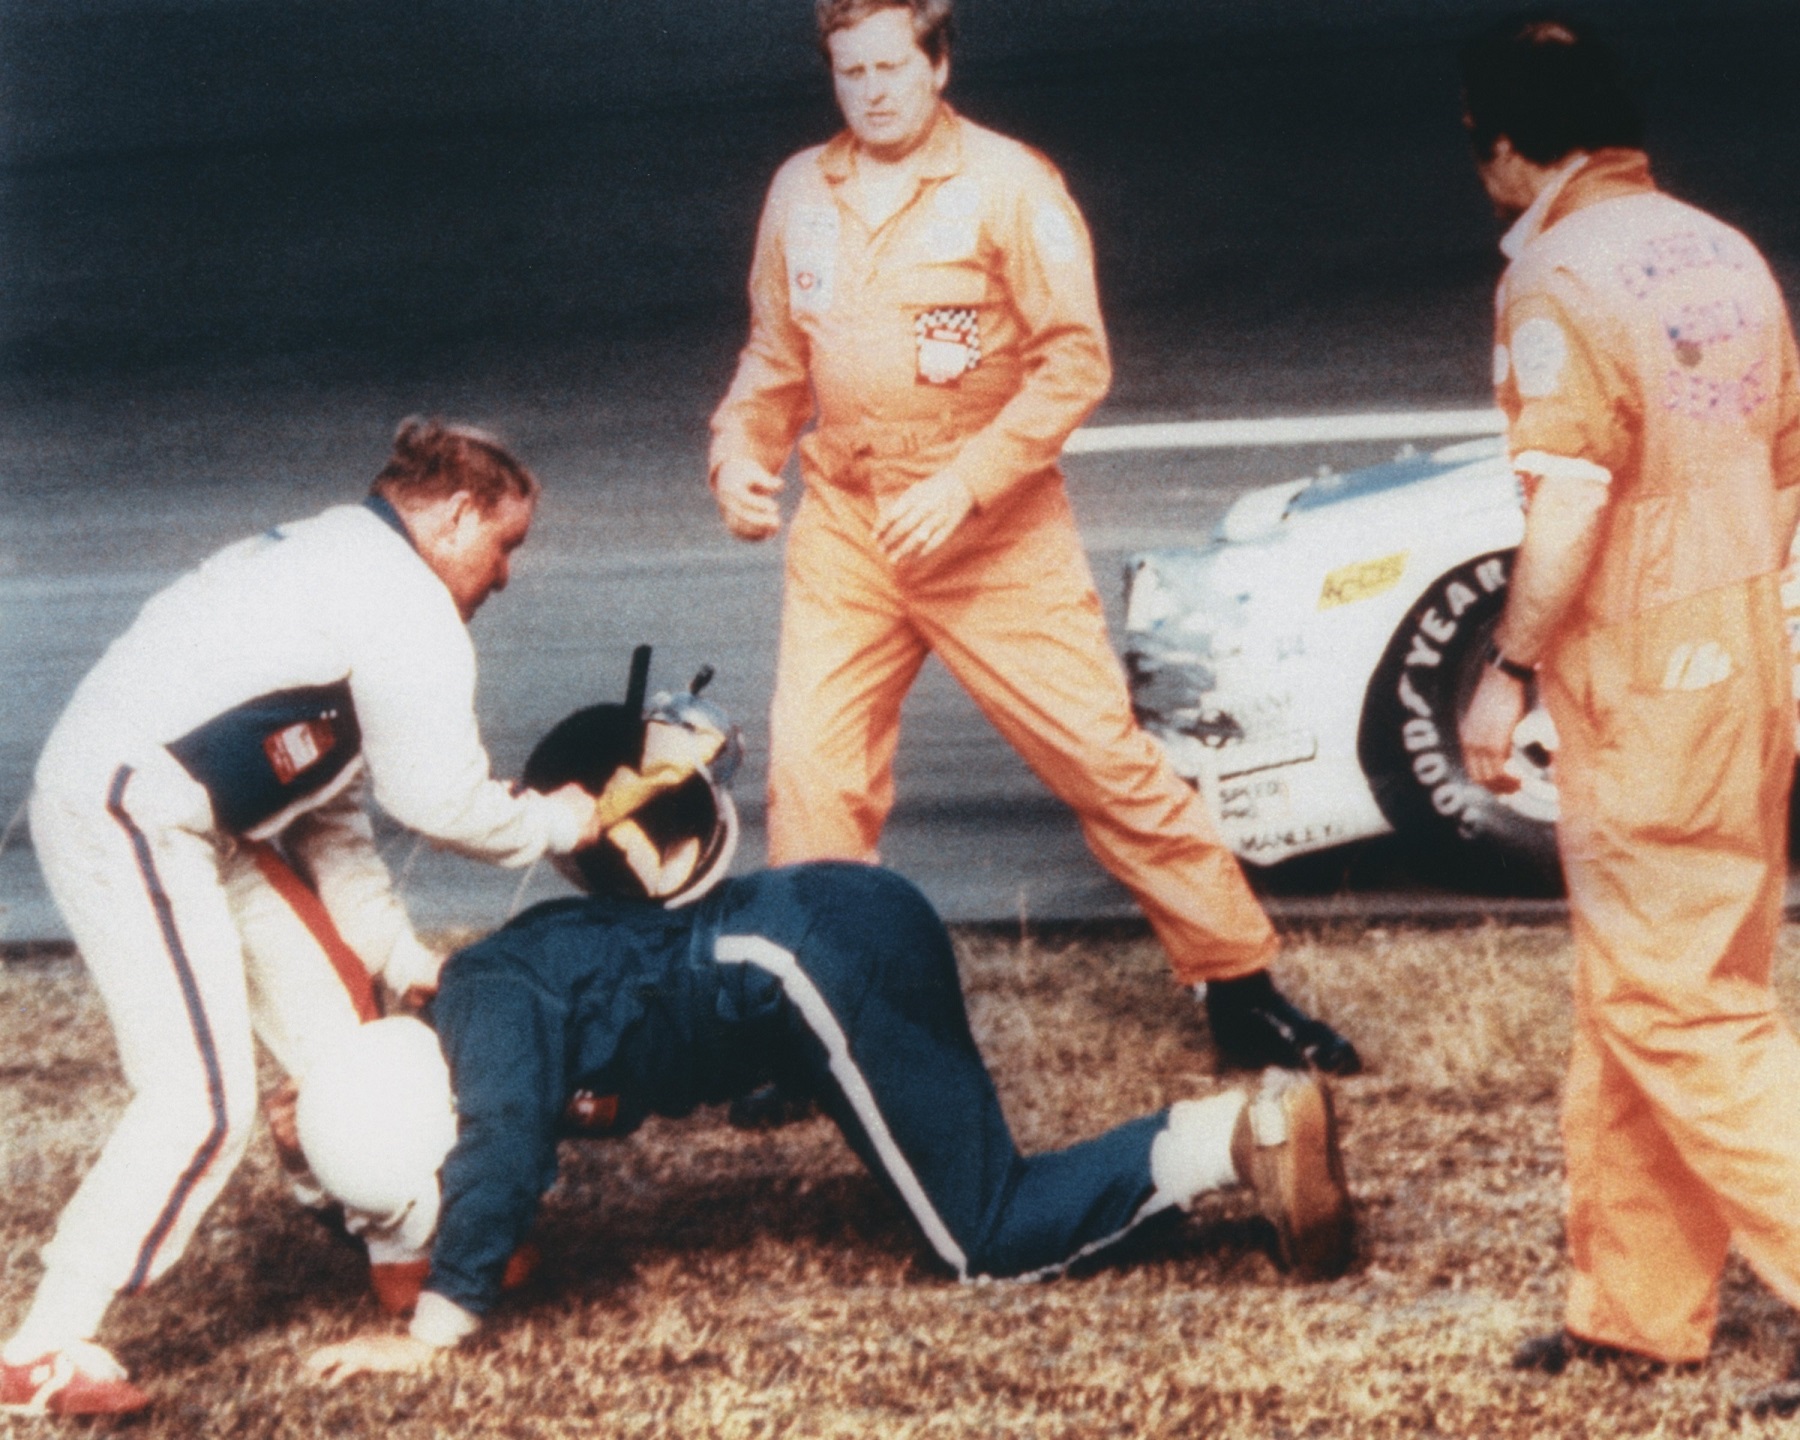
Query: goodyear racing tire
[[1409, 750]]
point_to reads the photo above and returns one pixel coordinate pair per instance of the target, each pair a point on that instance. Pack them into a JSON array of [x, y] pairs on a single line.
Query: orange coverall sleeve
[[1046, 261], [1787, 426], [1565, 394], [770, 399]]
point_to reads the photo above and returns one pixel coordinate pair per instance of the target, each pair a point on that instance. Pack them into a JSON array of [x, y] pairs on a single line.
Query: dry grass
[[703, 1282]]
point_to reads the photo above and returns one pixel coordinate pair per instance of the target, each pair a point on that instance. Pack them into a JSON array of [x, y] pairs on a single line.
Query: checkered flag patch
[[949, 343]]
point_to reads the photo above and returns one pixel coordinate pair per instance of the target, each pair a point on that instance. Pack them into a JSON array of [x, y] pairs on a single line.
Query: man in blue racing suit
[[587, 1015]]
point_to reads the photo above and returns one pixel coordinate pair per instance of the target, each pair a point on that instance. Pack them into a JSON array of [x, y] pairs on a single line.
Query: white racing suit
[[253, 701]]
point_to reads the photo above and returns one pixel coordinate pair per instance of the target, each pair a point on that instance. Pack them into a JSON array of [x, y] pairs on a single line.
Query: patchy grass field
[[703, 1282]]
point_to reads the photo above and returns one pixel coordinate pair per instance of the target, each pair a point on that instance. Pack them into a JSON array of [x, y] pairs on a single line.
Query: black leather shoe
[[1550, 1355], [769, 1107], [1781, 1400], [1547, 1353], [1255, 1026]]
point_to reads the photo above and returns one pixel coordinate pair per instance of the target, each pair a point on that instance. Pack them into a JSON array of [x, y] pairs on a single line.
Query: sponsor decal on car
[[1363, 580], [1268, 752], [1264, 798], [1291, 840]]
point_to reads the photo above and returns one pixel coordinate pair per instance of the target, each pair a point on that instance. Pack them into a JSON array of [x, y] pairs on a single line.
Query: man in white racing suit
[[205, 787]]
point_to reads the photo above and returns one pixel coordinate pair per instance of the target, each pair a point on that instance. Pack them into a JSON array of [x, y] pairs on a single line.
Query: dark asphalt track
[[197, 343]]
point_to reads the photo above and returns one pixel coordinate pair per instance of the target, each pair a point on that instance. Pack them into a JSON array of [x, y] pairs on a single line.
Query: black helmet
[[679, 842]]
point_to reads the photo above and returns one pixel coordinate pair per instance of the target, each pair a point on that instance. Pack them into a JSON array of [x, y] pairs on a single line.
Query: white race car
[[1306, 669]]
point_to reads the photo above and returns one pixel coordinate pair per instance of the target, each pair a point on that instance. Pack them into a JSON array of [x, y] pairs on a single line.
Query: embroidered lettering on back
[[1702, 397], [1661, 259], [1691, 328]]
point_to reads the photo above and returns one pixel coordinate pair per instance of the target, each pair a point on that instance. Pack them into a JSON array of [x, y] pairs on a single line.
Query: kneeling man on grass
[[668, 987]]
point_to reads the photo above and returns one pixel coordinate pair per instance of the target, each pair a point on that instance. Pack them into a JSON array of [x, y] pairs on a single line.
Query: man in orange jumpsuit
[[924, 288], [1646, 366]]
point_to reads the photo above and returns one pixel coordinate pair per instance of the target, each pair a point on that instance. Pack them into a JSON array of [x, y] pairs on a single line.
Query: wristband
[[1496, 658]]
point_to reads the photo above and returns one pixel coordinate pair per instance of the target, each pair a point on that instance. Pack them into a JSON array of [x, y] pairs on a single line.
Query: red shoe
[[521, 1266], [80, 1379], [397, 1284]]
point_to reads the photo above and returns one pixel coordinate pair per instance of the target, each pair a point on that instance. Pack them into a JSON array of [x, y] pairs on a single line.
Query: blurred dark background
[[211, 180]]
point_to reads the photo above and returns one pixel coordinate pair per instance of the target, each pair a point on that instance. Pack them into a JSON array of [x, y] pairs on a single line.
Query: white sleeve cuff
[[411, 963], [1559, 467], [440, 1323], [564, 826]]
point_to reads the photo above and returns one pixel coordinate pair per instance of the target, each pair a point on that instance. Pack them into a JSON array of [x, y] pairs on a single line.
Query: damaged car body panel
[[1254, 658]]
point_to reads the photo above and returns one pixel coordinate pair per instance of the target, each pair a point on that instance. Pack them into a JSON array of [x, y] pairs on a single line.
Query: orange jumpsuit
[[1640, 335], [962, 334]]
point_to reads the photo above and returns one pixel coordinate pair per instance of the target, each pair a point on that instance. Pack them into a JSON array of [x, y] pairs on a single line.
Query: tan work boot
[[1285, 1148]]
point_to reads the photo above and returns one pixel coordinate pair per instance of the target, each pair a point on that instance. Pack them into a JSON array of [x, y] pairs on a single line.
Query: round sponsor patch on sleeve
[[1539, 352], [1054, 232]]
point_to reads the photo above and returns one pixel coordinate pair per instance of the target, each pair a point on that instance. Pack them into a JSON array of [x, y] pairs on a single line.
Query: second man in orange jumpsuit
[[924, 289], [1647, 369]]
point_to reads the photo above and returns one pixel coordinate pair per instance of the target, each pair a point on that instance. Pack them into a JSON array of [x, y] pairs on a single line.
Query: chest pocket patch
[[812, 246], [949, 343], [953, 225]]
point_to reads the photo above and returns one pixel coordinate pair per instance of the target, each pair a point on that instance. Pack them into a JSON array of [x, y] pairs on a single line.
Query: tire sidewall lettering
[[1408, 739]]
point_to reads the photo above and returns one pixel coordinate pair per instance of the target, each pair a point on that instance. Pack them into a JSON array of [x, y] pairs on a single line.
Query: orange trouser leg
[[848, 656], [1029, 644], [1646, 1242], [1682, 1123], [1682, 1126]]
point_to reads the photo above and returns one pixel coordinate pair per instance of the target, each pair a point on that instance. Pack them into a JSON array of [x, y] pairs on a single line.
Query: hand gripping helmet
[[376, 1119], [663, 767]]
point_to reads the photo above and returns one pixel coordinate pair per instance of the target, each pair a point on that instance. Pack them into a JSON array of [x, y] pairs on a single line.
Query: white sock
[[1193, 1154]]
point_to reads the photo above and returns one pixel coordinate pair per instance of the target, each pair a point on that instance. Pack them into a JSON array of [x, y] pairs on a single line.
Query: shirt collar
[[1531, 224], [382, 508], [940, 154]]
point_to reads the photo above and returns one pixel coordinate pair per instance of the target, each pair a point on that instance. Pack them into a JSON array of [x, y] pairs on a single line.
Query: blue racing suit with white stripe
[[835, 978]]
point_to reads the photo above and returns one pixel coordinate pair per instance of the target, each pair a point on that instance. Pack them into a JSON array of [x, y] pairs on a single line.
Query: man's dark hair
[[1549, 87], [433, 459], [933, 26]]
